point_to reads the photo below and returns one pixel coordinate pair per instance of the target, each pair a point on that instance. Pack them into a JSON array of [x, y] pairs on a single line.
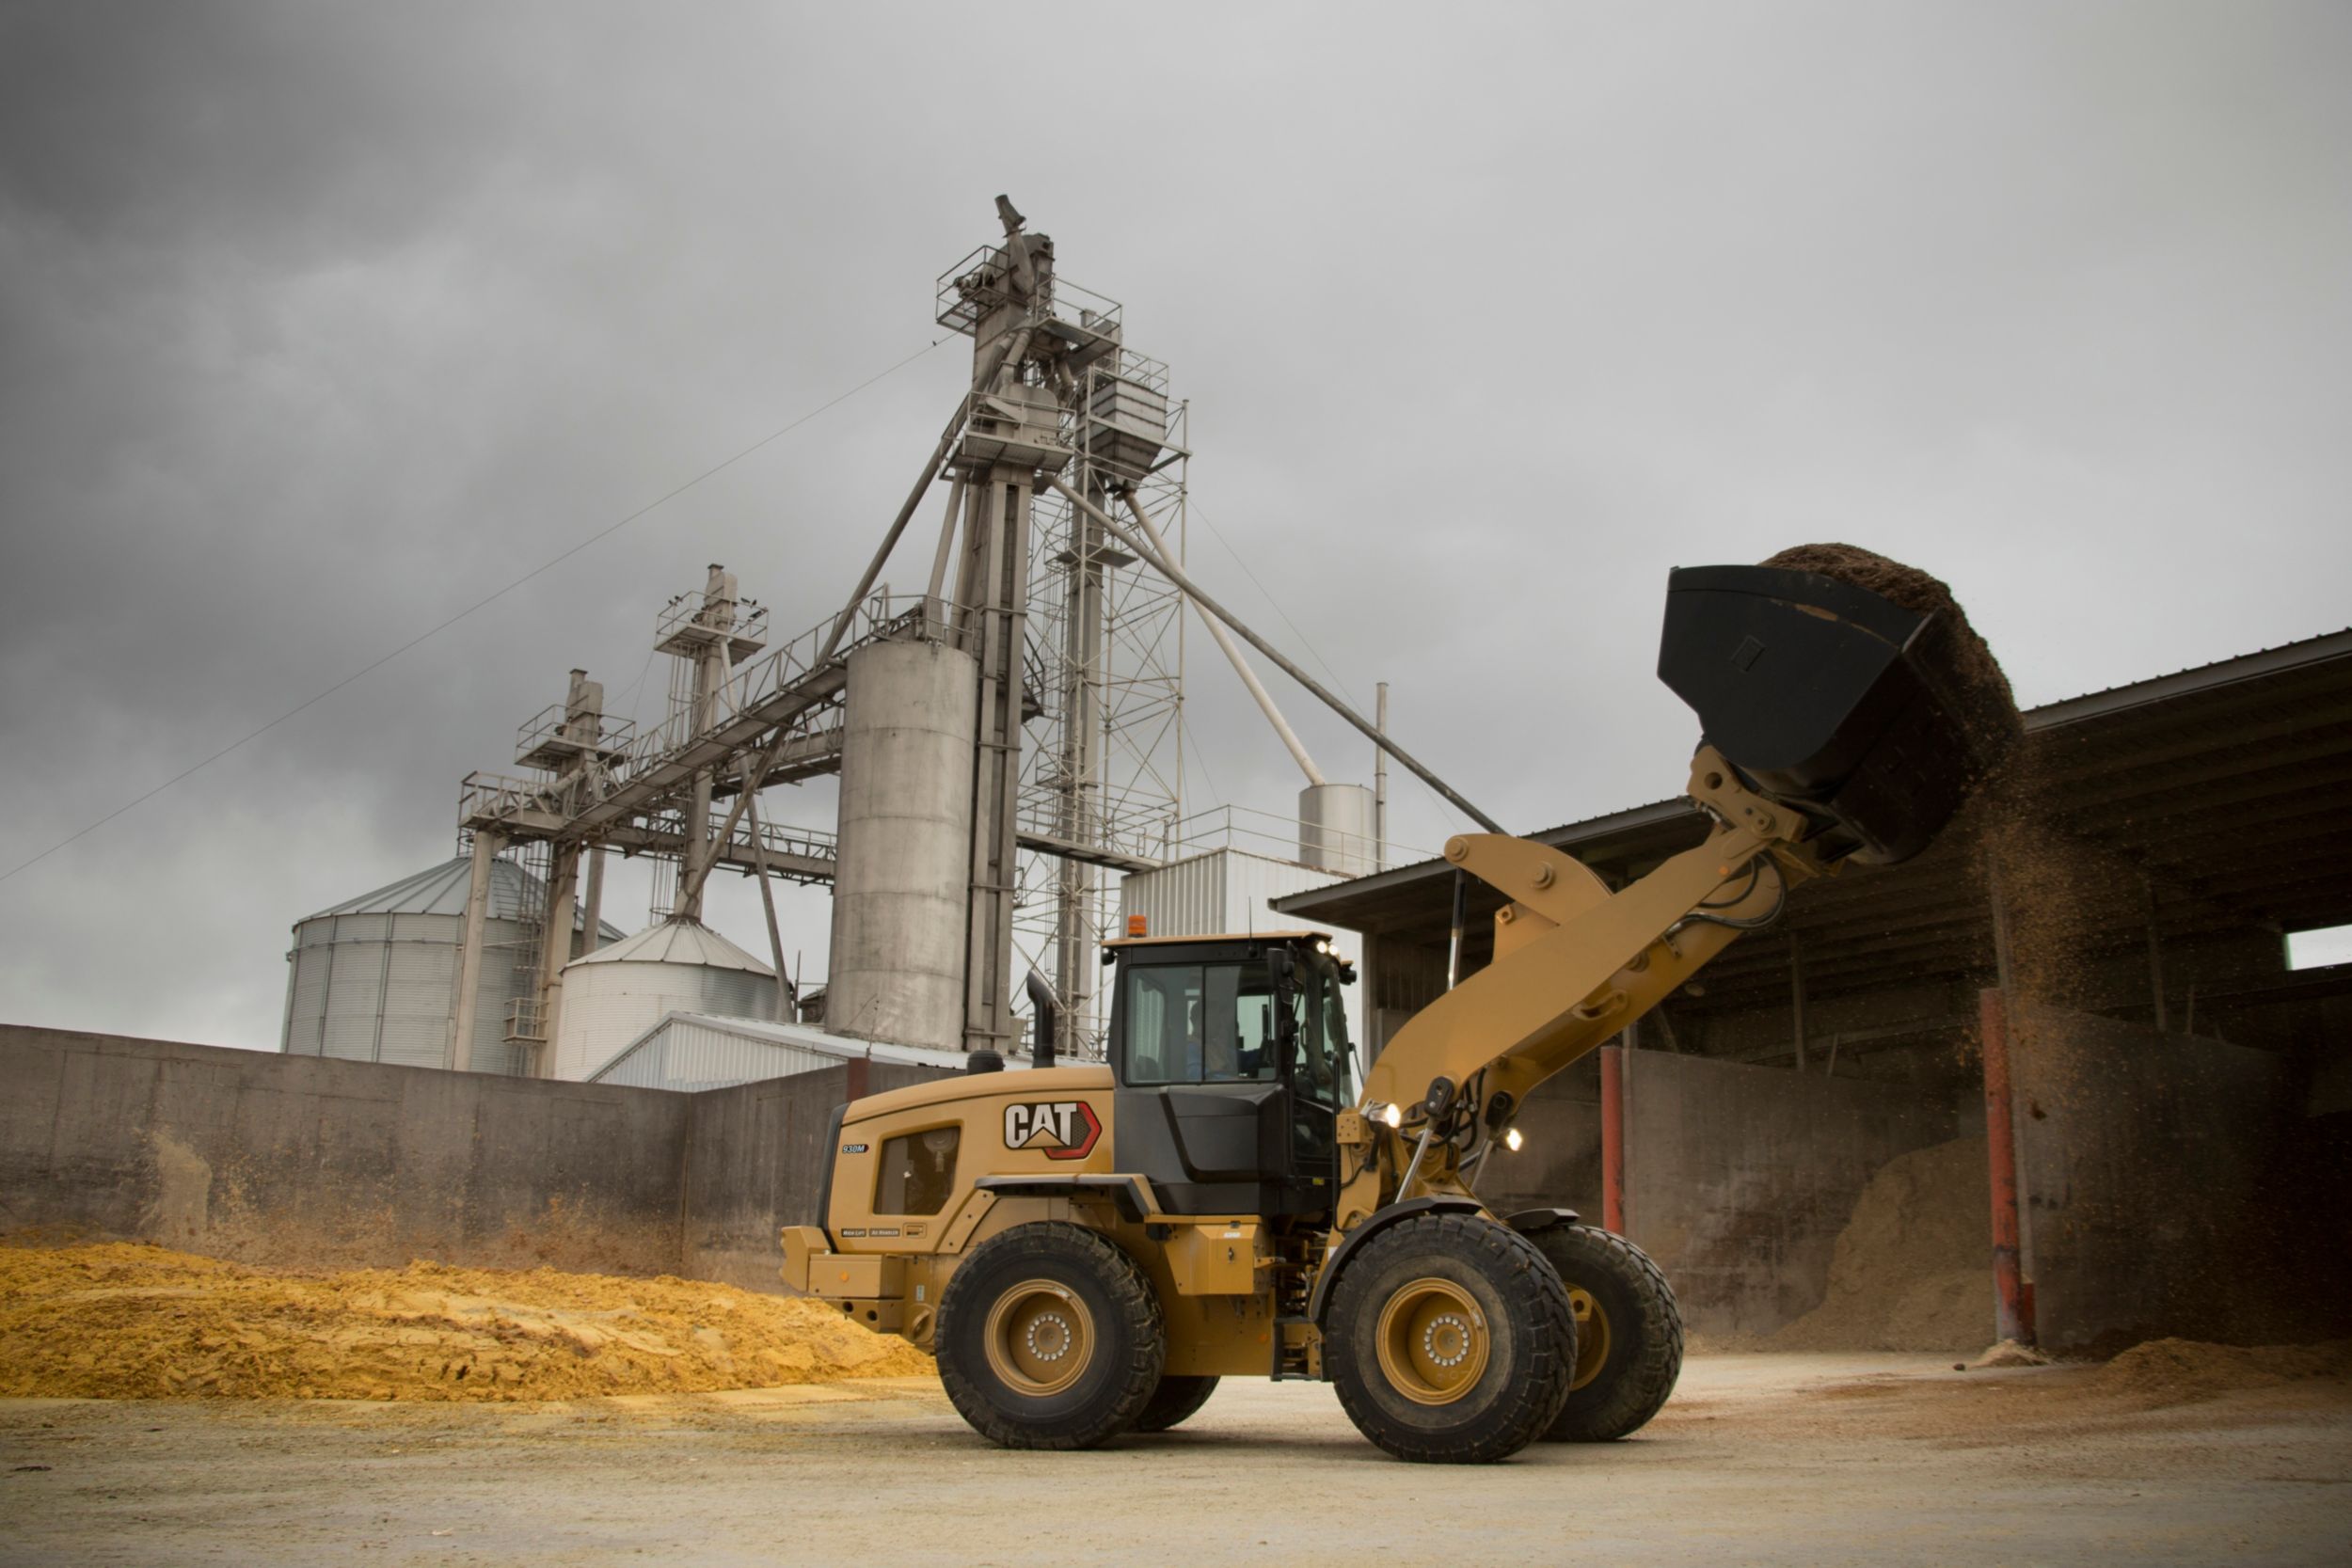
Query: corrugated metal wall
[[377, 988], [1225, 891], [690, 1056]]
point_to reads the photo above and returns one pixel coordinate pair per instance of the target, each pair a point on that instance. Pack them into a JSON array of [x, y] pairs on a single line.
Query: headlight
[[1387, 1115], [1510, 1140]]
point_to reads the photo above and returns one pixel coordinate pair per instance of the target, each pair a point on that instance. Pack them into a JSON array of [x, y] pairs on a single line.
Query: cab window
[[1200, 1023], [919, 1171]]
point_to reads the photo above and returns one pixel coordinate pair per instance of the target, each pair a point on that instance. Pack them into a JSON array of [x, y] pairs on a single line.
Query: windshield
[[1214, 1023]]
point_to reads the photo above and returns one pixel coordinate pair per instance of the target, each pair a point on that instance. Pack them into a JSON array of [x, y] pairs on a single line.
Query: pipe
[[1174, 574], [2012, 1298], [890, 540], [1613, 1138], [1241, 666], [1042, 999], [932, 608], [1380, 782]]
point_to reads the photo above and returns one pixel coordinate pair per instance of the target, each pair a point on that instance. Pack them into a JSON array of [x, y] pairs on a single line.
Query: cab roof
[[1218, 936]]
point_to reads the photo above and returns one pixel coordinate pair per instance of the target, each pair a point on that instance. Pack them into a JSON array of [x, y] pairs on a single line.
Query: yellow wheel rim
[[1432, 1341], [1040, 1337], [1592, 1335]]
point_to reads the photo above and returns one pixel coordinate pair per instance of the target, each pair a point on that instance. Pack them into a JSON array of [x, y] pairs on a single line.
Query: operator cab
[[1231, 1062]]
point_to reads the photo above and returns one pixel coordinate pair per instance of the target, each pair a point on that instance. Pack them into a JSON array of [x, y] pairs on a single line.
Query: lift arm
[[1574, 964]]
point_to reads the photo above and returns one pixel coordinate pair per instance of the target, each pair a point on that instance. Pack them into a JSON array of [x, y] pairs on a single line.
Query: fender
[[1528, 1221], [1132, 1194], [1431, 1204]]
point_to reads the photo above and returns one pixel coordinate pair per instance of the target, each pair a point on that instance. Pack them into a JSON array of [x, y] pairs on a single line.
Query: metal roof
[[676, 941], [2224, 785], [764, 1050], [441, 890]]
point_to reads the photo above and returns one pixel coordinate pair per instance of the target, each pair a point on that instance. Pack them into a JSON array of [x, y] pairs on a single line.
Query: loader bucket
[[1835, 701]]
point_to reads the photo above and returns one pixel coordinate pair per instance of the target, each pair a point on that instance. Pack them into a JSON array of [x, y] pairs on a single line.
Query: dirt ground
[[1759, 1458]]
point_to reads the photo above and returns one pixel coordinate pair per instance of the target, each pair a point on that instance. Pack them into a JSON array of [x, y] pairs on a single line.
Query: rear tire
[[1449, 1340], [1177, 1399], [1628, 1334], [1049, 1337]]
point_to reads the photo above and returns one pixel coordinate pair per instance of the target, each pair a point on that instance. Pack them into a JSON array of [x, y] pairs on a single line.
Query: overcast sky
[[318, 322]]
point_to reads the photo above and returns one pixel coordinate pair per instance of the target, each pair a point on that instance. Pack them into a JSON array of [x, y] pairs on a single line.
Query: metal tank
[[614, 995], [1335, 830], [903, 870], [372, 979]]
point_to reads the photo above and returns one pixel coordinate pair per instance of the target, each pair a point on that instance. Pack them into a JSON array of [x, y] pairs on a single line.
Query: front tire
[[1628, 1334], [1049, 1337], [1177, 1399], [1449, 1340]]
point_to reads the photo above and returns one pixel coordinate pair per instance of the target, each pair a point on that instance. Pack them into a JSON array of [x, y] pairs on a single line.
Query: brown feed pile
[[2177, 1370], [122, 1320], [1988, 705], [1911, 1270]]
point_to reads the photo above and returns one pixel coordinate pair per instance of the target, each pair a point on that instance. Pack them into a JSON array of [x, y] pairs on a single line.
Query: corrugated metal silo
[[372, 979], [614, 995]]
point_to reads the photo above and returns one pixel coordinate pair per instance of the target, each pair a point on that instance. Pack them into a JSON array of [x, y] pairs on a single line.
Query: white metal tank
[[618, 992], [372, 979], [1335, 830], [903, 871]]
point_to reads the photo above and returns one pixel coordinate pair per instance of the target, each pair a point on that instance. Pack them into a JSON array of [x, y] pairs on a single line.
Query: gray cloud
[[315, 324]]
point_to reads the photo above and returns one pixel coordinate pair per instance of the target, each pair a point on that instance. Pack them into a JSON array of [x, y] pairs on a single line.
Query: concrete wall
[[271, 1159], [1738, 1179], [2158, 1190]]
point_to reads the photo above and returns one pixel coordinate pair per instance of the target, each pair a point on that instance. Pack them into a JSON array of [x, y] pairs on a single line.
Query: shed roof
[[2222, 785]]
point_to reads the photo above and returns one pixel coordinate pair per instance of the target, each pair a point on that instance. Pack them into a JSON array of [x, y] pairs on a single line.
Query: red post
[[2013, 1300], [857, 1076], [1613, 1138]]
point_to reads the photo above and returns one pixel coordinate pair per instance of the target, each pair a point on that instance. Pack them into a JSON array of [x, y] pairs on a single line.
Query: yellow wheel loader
[[1088, 1249]]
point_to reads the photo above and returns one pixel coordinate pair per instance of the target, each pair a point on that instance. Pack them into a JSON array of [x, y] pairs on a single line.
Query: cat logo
[[1062, 1129]]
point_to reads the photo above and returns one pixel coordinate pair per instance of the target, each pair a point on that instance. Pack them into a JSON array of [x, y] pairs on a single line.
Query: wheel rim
[[1592, 1337], [1040, 1337], [1433, 1341]]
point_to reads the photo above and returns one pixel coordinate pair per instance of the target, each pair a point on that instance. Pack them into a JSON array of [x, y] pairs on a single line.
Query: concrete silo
[[618, 992], [374, 979], [902, 881]]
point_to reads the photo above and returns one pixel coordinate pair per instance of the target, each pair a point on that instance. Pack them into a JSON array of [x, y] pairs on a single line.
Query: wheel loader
[[1088, 1249]]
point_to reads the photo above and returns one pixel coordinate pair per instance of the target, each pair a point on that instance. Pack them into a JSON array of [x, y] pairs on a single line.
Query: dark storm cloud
[[318, 324]]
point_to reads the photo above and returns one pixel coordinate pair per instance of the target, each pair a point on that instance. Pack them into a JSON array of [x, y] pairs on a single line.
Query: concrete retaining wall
[[272, 1158], [303, 1160], [2156, 1195], [1738, 1179]]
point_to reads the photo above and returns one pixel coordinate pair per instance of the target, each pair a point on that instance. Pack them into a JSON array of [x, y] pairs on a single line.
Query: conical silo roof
[[676, 941], [441, 890]]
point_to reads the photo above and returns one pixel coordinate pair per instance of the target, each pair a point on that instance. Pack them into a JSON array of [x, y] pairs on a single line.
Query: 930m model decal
[[1062, 1129]]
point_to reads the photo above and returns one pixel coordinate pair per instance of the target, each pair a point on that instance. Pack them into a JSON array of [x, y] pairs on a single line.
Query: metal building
[[618, 992], [374, 979], [1230, 890], [692, 1051]]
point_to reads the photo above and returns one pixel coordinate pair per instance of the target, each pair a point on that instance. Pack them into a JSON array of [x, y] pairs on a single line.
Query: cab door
[[1203, 1106]]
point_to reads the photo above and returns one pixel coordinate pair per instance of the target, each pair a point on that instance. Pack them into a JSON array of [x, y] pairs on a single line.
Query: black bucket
[[1833, 700]]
